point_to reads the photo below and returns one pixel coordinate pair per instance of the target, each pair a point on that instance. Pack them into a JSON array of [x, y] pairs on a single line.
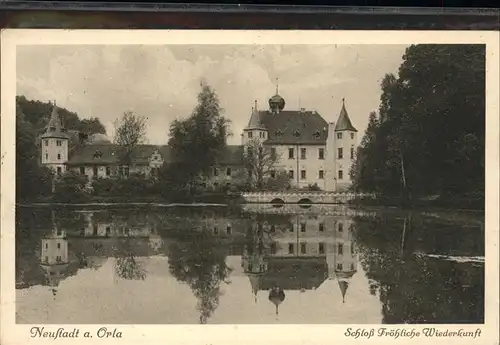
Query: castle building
[[309, 149]]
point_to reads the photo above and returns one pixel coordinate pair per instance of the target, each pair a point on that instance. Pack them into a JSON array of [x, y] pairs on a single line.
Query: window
[[59, 142], [321, 153], [58, 258], [273, 173], [108, 171], [302, 248], [352, 267], [321, 227], [95, 172], [290, 174], [279, 133], [229, 229], [59, 171], [126, 170], [108, 230], [273, 248], [273, 228], [339, 135], [216, 231], [82, 170], [290, 248], [46, 245], [352, 248], [321, 248], [228, 171], [291, 153], [58, 156], [339, 267], [216, 172], [291, 227], [296, 133], [46, 142], [46, 156], [303, 174], [302, 227], [352, 135], [302, 153], [250, 135], [59, 246], [341, 249], [340, 152], [273, 152], [341, 175], [341, 227], [352, 152], [46, 259], [321, 174], [316, 135]]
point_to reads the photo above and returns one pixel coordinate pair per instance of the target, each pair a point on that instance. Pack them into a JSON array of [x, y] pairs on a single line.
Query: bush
[[71, 187]]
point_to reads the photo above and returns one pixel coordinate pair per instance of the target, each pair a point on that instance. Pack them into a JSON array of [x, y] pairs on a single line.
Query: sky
[[161, 82]]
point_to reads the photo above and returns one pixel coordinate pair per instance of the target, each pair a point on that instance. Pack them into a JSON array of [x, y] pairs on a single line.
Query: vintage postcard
[[296, 187]]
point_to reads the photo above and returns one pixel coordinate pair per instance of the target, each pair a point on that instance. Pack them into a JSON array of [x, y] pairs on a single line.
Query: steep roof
[[109, 154], [255, 120], [344, 122], [295, 127], [292, 273], [55, 128]]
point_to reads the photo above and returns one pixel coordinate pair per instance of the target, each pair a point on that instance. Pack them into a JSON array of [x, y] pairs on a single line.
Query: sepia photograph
[[250, 184]]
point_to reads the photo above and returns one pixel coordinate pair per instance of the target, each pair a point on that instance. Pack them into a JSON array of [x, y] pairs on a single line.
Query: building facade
[[312, 151]]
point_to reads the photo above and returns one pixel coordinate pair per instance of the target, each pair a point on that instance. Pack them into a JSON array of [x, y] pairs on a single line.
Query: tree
[[261, 167], [430, 135], [198, 141], [201, 264], [130, 131], [92, 126], [32, 179], [70, 187]]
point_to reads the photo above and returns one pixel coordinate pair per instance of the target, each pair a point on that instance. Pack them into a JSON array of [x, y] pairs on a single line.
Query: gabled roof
[[108, 154], [344, 122], [295, 127]]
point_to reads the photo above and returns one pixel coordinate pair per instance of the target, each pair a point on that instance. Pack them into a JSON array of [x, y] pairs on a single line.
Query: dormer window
[[52, 128], [316, 135], [97, 154], [296, 133], [279, 133]]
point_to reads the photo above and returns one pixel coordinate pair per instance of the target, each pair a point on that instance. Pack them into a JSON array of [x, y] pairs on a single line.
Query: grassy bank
[[455, 202], [205, 198]]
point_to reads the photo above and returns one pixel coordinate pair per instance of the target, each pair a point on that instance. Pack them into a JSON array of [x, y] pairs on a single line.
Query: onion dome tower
[[276, 102], [276, 296]]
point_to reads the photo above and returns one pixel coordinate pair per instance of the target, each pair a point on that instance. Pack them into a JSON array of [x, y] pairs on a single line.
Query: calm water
[[259, 264]]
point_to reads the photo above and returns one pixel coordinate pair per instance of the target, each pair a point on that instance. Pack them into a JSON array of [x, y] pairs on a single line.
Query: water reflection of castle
[[296, 250], [65, 251], [299, 252]]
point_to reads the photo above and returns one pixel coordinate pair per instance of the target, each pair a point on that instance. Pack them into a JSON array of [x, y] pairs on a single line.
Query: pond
[[257, 264]]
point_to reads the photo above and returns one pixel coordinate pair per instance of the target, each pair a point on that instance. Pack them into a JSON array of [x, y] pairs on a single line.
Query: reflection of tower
[[254, 264], [342, 262], [54, 258]]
